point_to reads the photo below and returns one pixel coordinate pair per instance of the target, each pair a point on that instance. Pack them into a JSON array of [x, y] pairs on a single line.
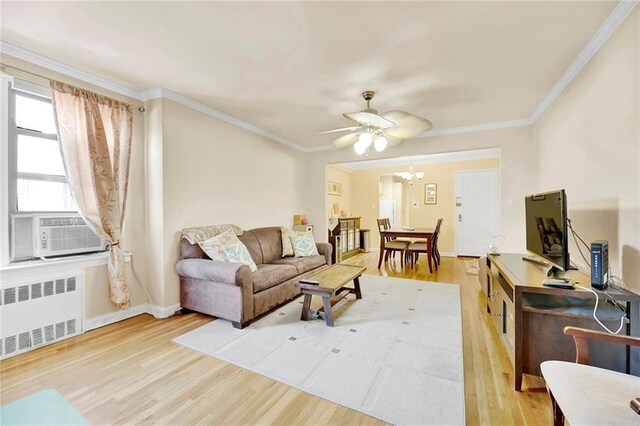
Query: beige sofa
[[231, 291]]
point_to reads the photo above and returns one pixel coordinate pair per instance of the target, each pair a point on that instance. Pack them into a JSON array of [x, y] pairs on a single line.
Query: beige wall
[[518, 174], [344, 177], [589, 143], [367, 195], [214, 173], [96, 284]]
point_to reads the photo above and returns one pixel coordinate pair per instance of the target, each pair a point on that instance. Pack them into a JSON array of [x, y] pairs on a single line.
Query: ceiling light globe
[[380, 143], [365, 139], [420, 175], [359, 148]]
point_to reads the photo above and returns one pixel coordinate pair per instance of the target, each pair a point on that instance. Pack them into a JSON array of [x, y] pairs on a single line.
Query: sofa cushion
[[302, 264], [270, 242], [270, 275], [250, 241]]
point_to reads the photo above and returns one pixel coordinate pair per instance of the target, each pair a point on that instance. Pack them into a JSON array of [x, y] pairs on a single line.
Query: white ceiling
[[294, 68]]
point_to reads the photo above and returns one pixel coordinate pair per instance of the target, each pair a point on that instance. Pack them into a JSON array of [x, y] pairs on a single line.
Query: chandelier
[[411, 174]]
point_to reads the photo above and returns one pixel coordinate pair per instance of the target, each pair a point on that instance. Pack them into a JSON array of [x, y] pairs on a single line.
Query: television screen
[[546, 222]]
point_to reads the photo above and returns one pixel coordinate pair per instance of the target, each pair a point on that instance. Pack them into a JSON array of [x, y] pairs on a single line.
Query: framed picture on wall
[[335, 188], [431, 193]]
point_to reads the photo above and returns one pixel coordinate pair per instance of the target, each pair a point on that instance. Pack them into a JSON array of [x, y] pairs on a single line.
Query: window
[[37, 181]]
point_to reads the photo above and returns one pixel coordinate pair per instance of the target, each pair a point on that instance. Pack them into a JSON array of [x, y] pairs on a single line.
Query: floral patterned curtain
[[95, 140]]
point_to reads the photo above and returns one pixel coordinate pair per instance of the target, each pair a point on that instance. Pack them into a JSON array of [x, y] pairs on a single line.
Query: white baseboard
[[146, 308], [162, 311], [106, 319]]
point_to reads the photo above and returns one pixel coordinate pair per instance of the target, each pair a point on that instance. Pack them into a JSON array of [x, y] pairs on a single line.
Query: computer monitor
[[547, 228]]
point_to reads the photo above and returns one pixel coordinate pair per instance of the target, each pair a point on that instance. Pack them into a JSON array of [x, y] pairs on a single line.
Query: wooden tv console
[[531, 317]]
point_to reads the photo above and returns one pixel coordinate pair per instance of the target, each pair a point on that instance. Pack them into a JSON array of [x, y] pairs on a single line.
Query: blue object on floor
[[46, 407]]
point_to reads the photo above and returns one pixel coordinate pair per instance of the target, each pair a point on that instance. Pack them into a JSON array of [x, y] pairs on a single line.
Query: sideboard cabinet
[[349, 230]]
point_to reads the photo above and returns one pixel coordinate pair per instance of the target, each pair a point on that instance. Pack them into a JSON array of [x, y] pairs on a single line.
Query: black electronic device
[[547, 229], [564, 283], [600, 264]]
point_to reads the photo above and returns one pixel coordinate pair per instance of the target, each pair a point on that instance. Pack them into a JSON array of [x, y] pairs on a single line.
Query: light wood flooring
[[131, 372]]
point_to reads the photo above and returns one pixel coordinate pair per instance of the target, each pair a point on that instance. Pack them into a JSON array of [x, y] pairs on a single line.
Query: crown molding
[[140, 95], [53, 65], [190, 103], [610, 25]]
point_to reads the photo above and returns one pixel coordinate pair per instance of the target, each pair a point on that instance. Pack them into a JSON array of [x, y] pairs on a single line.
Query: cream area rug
[[396, 354]]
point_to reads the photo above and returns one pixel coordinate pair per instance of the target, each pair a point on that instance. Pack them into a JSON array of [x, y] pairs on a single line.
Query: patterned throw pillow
[[287, 247], [238, 252], [213, 247], [304, 245]]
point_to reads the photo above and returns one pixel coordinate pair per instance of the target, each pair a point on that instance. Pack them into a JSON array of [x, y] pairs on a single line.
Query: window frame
[[42, 94]]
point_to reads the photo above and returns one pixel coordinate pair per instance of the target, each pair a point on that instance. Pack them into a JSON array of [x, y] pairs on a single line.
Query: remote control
[[310, 282], [558, 283]]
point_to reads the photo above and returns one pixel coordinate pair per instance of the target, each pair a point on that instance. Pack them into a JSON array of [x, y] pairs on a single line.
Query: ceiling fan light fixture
[[380, 143], [359, 147], [365, 139], [419, 175]]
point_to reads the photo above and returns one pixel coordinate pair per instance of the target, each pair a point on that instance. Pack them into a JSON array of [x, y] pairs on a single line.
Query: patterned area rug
[[396, 354]]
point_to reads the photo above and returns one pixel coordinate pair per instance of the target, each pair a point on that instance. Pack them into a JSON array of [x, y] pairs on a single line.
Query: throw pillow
[[287, 248], [238, 252], [304, 245], [214, 245]]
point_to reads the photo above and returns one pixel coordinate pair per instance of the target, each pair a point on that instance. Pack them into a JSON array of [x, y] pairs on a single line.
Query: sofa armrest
[[325, 249], [210, 270]]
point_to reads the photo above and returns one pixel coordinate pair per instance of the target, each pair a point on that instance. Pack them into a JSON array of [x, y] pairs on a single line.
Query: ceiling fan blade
[[344, 129], [403, 118], [345, 140], [369, 119], [407, 132]]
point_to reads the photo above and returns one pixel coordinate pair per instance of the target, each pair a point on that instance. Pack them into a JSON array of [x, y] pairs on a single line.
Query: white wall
[[214, 173], [588, 142]]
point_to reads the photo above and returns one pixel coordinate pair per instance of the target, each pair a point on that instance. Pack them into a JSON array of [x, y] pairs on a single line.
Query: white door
[[388, 210], [477, 210]]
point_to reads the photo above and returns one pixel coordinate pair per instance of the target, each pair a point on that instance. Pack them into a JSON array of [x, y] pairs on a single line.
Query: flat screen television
[[546, 222]]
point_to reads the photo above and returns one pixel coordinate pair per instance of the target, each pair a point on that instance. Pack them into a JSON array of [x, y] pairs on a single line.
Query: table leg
[[356, 287], [381, 251], [306, 305], [328, 316]]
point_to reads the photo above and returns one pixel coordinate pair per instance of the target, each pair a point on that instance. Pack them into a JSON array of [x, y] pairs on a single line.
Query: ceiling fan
[[386, 130]]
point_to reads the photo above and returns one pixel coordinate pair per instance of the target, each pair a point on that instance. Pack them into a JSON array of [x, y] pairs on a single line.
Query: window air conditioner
[[37, 235]]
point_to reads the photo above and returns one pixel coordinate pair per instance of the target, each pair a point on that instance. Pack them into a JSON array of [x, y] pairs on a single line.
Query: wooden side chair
[[583, 394], [392, 246], [418, 247]]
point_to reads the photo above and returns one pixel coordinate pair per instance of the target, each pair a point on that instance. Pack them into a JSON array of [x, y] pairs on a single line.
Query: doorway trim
[[499, 206]]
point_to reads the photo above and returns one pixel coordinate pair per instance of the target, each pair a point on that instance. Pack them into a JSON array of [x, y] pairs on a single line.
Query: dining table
[[417, 233]]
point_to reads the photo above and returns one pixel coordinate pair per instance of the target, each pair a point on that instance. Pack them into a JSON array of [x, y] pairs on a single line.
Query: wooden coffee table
[[332, 288]]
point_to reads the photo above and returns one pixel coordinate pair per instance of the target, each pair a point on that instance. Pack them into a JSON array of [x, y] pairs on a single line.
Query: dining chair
[[584, 394], [418, 247], [391, 246]]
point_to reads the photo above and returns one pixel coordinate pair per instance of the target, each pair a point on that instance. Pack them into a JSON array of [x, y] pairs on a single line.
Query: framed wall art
[[431, 193], [335, 188]]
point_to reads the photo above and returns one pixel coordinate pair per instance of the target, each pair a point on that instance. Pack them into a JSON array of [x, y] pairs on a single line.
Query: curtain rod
[[4, 66]]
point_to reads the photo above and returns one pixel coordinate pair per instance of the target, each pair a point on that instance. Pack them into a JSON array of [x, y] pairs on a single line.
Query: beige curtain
[[95, 139]]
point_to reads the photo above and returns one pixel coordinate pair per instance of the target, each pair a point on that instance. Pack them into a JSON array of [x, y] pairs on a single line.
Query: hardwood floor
[[131, 372]]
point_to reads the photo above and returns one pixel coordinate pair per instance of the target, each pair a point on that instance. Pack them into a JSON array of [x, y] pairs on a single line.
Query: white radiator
[[37, 313]]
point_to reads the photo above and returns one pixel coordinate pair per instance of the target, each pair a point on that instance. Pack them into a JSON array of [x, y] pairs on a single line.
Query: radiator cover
[[38, 313]]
